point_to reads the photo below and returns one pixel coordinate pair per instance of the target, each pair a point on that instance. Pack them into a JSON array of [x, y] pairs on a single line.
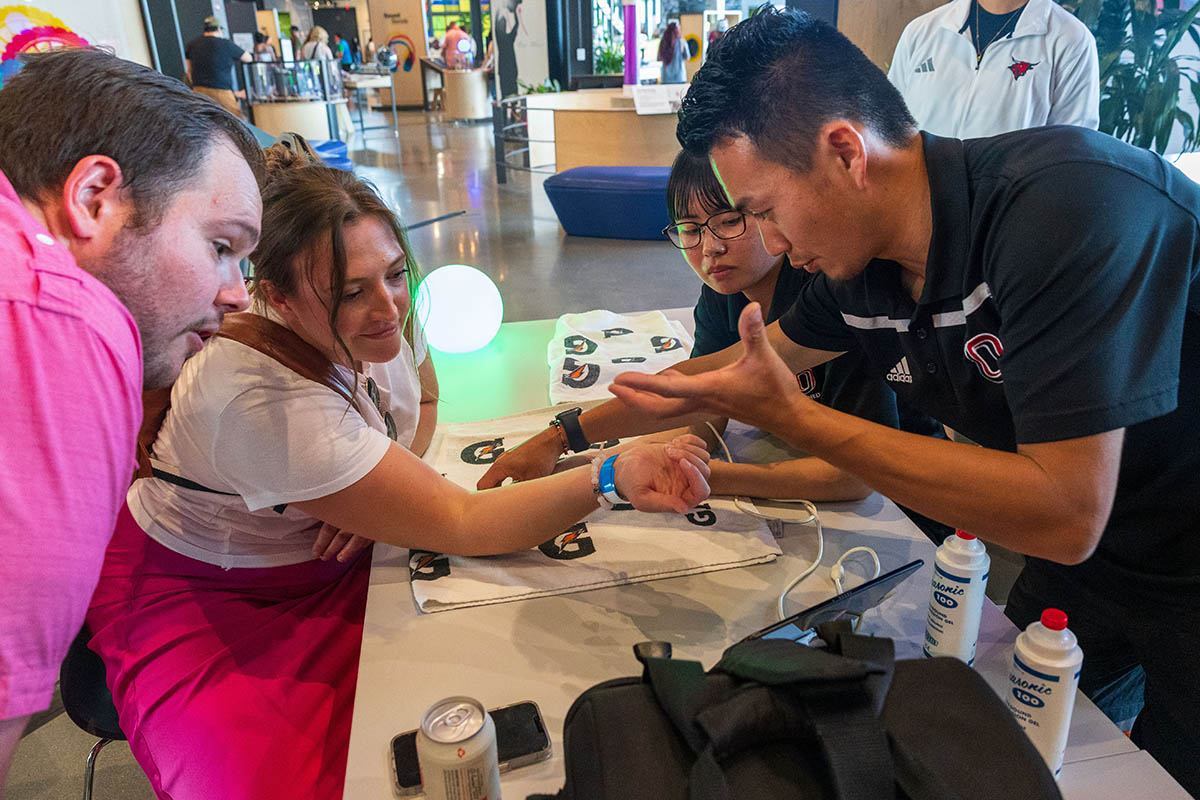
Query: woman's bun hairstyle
[[292, 151]]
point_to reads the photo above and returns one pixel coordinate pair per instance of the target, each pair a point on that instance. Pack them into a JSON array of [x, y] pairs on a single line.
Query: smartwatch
[[568, 422]]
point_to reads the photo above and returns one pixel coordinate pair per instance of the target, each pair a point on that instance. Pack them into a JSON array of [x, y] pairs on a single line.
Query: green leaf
[[1141, 78]]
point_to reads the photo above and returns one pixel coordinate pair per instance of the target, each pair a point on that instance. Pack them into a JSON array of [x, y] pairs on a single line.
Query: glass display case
[[302, 97], [293, 81]]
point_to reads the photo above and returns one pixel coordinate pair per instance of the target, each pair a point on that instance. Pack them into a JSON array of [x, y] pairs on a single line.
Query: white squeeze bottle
[[960, 573], [1042, 684]]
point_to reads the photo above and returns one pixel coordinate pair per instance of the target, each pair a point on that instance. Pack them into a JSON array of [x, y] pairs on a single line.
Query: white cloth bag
[[590, 349], [609, 548]]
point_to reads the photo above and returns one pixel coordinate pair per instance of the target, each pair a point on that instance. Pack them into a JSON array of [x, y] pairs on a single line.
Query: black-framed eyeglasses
[[723, 225]]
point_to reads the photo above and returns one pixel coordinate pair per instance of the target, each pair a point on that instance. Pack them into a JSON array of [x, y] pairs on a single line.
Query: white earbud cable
[[836, 572]]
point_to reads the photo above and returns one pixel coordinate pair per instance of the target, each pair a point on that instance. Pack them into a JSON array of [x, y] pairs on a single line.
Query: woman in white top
[[317, 46], [231, 644]]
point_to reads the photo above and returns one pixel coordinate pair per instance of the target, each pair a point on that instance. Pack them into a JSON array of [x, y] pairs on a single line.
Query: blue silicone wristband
[[608, 486]]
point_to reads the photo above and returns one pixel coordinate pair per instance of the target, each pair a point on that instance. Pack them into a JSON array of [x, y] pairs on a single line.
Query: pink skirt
[[234, 683]]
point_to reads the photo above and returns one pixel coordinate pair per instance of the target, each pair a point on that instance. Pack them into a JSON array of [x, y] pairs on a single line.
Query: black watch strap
[[569, 420]]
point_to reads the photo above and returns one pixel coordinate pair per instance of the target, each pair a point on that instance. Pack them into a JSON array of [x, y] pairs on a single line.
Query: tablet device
[[801, 627]]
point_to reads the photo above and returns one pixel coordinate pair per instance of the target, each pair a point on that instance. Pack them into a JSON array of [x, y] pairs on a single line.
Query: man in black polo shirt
[[210, 62], [1032, 290]]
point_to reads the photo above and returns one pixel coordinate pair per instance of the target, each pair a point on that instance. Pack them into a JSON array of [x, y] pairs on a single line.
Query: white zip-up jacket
[[1046, 72]]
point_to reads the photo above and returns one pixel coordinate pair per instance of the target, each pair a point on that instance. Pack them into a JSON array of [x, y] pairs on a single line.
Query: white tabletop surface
[[549, 650], [361, 81]]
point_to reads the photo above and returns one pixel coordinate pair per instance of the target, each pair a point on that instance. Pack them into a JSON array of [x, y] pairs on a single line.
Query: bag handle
[[791, 692]]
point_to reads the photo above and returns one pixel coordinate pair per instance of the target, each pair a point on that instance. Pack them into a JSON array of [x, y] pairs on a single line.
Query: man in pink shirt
[[454, 57], [126, 204]]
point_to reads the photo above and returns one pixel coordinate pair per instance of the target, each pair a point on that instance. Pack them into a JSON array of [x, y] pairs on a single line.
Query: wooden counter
[[597, 127], [309, 118], [465, 94]]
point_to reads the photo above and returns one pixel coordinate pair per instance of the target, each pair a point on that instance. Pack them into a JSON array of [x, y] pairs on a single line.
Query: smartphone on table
[[521, 739]]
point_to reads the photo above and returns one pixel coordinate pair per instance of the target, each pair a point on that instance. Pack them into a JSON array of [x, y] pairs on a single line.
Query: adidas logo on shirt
[[900, 373], [925, 66]]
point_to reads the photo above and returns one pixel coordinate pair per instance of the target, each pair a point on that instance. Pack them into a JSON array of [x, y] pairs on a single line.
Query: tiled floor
[[508, 231]]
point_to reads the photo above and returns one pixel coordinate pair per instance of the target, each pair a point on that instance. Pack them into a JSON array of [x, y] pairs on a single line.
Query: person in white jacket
[[976, 68]]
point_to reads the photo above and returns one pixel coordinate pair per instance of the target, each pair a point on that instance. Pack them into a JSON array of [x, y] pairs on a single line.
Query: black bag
[[775, 719]]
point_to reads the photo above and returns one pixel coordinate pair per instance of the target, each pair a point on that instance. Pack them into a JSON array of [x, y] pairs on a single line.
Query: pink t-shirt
[[450, 52], [70, 389]]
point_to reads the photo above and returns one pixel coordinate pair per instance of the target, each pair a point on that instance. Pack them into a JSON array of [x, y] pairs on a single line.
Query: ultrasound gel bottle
[[960, 573], [1042, 684]]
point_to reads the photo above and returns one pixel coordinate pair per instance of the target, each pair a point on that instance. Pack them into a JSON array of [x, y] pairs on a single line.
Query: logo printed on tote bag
[[426, 566], [579, 344], [578, 375], [572, 543], [484, 452]]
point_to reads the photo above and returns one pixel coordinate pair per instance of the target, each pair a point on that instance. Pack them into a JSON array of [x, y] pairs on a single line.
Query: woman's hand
[[533, 458], [664, 477], [758, 389], [333, 541]]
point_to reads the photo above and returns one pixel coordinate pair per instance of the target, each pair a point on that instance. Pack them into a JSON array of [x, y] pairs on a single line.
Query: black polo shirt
[[846, 383], [1057, 304]]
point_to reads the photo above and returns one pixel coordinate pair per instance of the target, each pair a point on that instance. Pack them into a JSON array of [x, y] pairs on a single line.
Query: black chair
[[87, 700]]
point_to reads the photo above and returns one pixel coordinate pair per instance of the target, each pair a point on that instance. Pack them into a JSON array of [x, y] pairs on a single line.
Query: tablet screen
[[800, 627]]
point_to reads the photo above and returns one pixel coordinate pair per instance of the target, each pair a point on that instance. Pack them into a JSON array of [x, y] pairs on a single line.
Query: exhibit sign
[[400, 26]]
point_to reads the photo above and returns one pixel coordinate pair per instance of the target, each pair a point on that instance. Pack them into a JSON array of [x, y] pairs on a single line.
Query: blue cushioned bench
[[611, 202], [334, 153]]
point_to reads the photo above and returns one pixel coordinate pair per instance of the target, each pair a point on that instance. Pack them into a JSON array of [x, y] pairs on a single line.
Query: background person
[[218, 616], [341, 50], [454, 58], [125, 207], [985, 67], [297, 37], [317, 46], [263, 49], [673, 54], [210, 62], [1040, 288]]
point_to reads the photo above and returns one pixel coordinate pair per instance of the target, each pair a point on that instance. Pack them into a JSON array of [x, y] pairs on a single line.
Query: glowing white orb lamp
[[459, 308]]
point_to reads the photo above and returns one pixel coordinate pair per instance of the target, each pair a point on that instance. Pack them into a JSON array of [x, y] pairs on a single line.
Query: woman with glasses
[[724, 248], [230, 606]]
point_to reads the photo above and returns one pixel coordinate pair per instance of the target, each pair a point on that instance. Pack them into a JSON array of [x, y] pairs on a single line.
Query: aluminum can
[[456, 748]]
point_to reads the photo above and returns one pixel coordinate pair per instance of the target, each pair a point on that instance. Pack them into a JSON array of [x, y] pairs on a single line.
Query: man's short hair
[[72, 103], [776, 78]]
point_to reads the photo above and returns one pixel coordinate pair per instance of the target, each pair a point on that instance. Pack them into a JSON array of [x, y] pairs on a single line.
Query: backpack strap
[[285, 346], [786, 691], [879, 650], [267, 337]]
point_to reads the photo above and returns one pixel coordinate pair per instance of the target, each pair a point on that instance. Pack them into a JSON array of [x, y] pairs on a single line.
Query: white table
[[359, 83], [549, 650]]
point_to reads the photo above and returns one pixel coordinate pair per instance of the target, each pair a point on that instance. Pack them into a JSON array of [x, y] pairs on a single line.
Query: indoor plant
[[1140, 76]]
